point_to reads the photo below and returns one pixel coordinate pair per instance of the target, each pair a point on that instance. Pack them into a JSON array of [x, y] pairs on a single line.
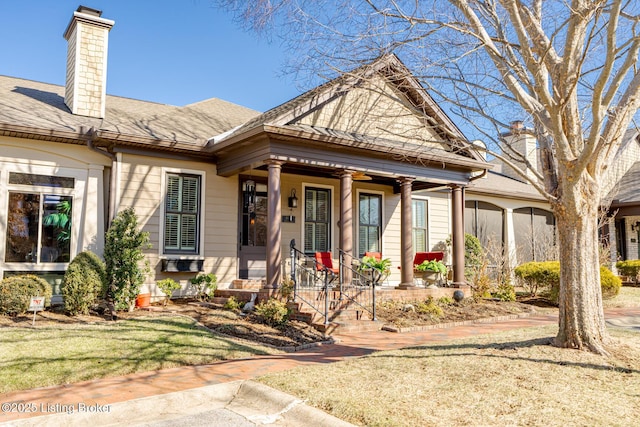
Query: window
[[317, 214], [534, 234], [485, 221], [369, 226], [419, 218], [182, 214], [38, 228]]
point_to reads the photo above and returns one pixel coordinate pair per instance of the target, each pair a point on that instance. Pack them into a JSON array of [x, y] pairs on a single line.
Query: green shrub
[[505, 292], [473, 255], [204, 286], [167, 286], [16, 293], [232, 304], [286, 289], [610, 283], [629, 268], [273, 312], [83, 283], [123, 253], [547, 274], [538, 275]]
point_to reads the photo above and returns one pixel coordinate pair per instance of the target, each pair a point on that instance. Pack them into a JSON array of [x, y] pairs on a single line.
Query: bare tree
[[567, 68]]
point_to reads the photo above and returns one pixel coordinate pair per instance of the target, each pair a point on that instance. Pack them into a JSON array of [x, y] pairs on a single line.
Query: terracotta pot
[[143, 300]]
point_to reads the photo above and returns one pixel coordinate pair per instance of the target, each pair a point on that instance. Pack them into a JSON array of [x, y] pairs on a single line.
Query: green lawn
[[37, 357]]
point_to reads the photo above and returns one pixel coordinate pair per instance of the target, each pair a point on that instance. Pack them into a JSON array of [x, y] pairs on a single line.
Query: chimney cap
[[89, 11]]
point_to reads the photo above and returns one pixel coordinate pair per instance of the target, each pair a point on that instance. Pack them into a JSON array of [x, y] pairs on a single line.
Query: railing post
[[326, 297], [294, 263]]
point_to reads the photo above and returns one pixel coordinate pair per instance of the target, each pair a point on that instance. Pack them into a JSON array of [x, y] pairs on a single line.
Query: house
[[364, 162], [504, 211]]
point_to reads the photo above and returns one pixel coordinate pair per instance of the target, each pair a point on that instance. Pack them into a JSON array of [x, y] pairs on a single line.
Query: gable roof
[[37, 110], [288, 114]]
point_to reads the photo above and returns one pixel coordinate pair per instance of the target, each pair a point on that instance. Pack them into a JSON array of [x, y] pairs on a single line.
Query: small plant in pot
[[432, 270], [380, 268]]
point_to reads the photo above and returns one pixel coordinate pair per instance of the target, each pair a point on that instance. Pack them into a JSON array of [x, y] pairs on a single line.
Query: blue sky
[[169, 51]]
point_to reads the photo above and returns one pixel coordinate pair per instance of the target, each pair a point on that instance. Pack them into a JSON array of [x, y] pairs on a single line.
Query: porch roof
[[319, 151]]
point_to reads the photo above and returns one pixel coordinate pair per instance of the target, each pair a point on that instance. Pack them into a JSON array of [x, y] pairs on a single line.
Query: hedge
[[16, 293], [547, 275]]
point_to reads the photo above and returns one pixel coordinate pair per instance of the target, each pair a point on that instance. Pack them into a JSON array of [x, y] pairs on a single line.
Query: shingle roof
[[29, 104], [501, 185], [627, 191]]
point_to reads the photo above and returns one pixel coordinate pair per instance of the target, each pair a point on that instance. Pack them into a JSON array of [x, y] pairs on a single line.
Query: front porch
[[344, 297]]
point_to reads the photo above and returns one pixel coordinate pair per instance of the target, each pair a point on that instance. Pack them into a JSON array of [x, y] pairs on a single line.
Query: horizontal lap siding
[[141, 188], [439, 219]]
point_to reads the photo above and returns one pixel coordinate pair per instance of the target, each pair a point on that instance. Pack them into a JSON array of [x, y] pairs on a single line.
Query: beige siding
[[141, 181], [376, 109], [439, 219]]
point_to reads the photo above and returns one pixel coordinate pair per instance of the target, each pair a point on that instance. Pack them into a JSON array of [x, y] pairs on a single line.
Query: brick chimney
[[86, 84], [521, 140]]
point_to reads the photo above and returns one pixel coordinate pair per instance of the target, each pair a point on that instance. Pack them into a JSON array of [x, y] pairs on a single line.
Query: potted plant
[[378, 269], [432, 271]]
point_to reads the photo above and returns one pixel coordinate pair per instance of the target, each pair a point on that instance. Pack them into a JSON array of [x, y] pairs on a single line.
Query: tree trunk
[[581, 322]]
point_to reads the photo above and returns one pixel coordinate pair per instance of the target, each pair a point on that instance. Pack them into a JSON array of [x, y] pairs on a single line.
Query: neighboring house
[[222, 188], [622, 189], [503, 210]]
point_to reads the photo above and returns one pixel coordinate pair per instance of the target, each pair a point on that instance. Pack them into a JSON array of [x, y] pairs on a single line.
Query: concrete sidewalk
[[186, 390]]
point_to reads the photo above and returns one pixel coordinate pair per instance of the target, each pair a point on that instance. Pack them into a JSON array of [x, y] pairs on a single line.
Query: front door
[[252, 254]]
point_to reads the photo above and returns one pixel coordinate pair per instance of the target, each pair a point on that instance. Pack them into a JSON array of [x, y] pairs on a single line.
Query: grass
[[629, 296], [38, 357], [512, 378]]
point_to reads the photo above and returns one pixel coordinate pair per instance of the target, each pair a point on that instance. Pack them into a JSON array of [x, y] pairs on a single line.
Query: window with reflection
[[370, 223], [38, 228]]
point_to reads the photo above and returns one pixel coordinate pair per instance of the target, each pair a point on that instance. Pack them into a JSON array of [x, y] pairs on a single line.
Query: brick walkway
[[119, 389]]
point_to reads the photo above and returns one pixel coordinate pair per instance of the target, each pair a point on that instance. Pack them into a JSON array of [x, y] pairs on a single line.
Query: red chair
[[324, 261], [420, 257], [376, 255]]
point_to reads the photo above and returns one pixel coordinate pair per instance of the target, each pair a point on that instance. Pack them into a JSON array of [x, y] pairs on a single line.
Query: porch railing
[[358, 285], [318, 287]]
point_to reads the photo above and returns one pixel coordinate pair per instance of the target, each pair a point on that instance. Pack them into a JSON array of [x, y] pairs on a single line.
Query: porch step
[[348, 327], [247, 284]]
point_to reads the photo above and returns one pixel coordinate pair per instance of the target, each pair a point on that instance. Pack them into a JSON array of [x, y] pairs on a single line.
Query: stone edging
[[452, 324]]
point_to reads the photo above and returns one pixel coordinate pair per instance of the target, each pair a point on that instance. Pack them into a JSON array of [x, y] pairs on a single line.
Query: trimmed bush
[[538, 275], [16, 293], [629, 268], [273, 311], [84, 283], [547, 275]]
